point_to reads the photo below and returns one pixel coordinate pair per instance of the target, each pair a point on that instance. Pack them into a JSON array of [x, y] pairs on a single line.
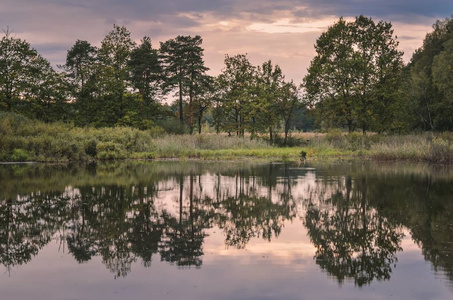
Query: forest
[[356, 82]]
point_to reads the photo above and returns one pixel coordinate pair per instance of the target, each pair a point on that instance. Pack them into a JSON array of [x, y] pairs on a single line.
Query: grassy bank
[[22, 139]]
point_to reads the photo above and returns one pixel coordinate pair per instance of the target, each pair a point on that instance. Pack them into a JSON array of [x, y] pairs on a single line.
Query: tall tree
[[47, 93], [270, 80], [146, 71], [16, 67], [288, 103], [354, 61], [443, 80], [79, 65], [114, 73], [205, 94], [236, 83], [183, 64], [81, 76], [429, 74], [28, 83]]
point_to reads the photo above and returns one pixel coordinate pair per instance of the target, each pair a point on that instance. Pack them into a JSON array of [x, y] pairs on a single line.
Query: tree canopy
[[357, 80], [354, 78]]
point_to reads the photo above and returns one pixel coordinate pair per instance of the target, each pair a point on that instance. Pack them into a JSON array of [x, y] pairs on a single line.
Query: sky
[[284, 31]]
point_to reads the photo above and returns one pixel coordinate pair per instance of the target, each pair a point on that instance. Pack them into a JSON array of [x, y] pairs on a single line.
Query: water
[[190, 230]]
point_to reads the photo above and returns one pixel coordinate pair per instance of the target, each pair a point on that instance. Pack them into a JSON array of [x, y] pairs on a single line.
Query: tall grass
[[22, 139], [435, 148], [177, 145], [428, 147]]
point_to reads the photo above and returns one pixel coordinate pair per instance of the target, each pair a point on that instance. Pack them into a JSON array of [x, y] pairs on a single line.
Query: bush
[[90, 148], [19, 155], [337, 139], [110, 150]]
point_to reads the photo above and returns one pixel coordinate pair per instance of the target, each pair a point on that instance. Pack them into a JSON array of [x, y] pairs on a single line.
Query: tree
[[236, 83], [146, 71], [443, 80], [345, 80], [184, 67], [114, 74], [428, 78], [205, 93], [380, 75], [287, 106], [80, 69], [47, 93], [16, 59], [79, 65], [270, 81], [28, 83]]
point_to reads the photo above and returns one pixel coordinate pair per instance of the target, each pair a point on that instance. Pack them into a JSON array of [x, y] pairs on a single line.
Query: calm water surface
[[190, 230]]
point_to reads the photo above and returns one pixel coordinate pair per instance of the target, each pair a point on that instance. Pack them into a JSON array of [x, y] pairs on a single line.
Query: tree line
[[357, 80], [124, 84]]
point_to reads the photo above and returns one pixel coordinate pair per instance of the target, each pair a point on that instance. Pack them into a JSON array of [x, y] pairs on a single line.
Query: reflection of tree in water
[[354, 223], [118, 222], [352, 239], [244, 214], [426, 208], [146, 226], [183, 238], [121, 223], [27, 224]]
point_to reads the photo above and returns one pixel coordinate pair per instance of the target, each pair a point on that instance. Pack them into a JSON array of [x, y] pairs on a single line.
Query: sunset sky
[[283, 31]]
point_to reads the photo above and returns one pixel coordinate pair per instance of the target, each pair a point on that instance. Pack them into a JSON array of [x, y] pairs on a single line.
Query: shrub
[[336, 138], [110, 150], [90, 148], [19, 155]]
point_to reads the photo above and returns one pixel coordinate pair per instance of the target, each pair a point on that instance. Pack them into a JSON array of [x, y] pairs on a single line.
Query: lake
[[226, 230]]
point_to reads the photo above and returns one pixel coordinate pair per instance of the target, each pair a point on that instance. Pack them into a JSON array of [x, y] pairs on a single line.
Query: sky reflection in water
[[194, 230]]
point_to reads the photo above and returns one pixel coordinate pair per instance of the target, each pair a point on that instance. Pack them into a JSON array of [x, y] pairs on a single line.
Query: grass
[[22, 139], [433, 148]]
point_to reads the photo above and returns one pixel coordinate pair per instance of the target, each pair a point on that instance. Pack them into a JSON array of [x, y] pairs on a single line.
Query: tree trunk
[[191, 106], [181, 118], [200, 116], [271, 137], [237, 121], [350, 127], [286, 131]]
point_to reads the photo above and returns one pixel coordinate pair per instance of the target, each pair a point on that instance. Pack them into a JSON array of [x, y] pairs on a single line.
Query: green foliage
[[430, 76], [62, 142], [19, 155], [336, 138], [91, 148], [28, 83], [172, 126], [183, 64], [236, 83], [110, 150], [355, 77]]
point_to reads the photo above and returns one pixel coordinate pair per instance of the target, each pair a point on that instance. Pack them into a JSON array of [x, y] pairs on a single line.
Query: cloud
[[283, 31]]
